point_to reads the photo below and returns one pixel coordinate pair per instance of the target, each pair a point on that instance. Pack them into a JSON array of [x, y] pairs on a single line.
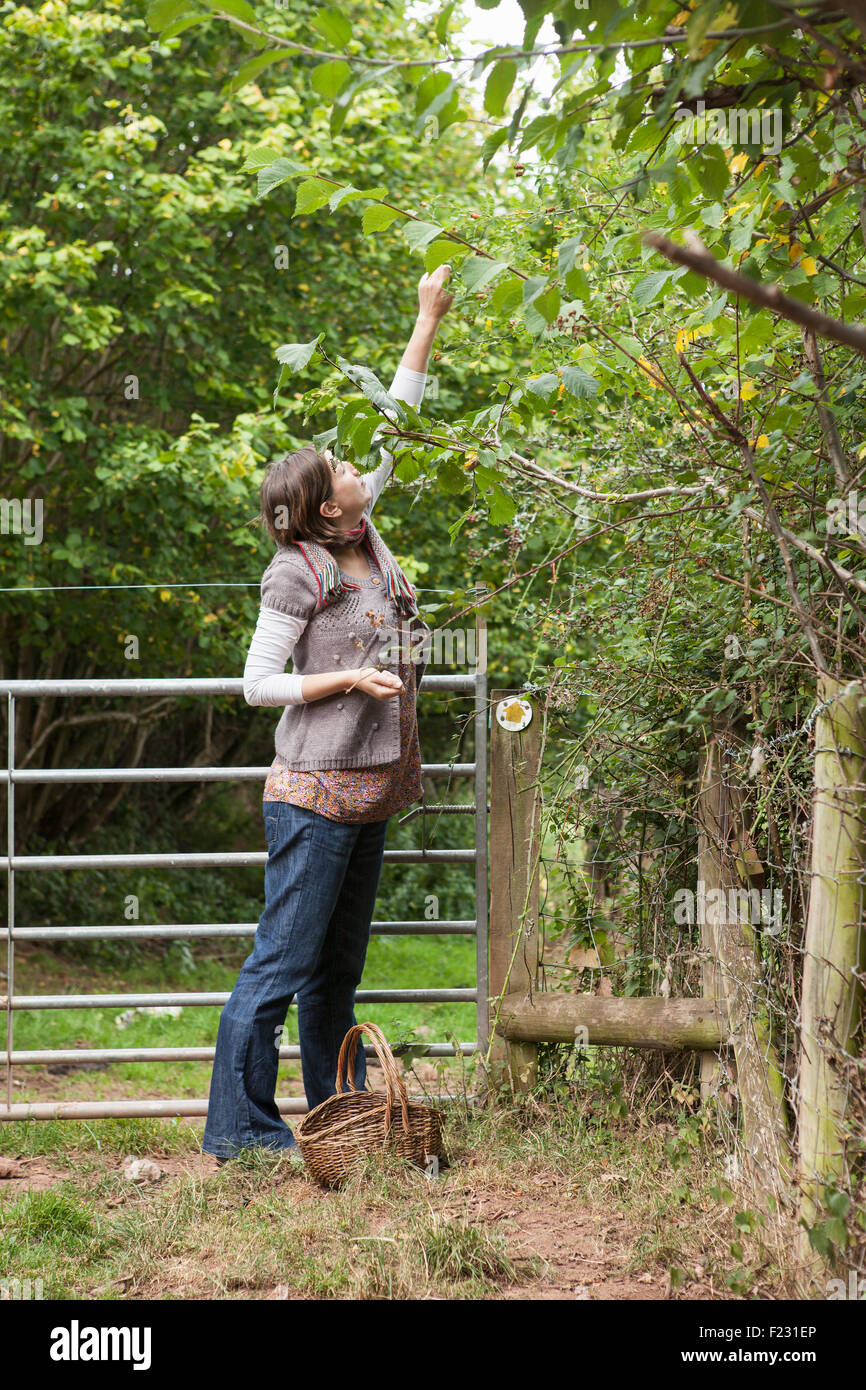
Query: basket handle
[[393, 1080]]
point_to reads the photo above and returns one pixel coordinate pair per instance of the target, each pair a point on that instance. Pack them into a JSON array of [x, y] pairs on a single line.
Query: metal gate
[[474, 684]]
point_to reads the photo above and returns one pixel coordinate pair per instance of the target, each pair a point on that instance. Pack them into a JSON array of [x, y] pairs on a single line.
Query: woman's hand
[[433, 305], [433, 300], [382, 685]]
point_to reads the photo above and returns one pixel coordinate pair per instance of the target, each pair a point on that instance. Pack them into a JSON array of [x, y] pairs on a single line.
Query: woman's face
[[349, 490]]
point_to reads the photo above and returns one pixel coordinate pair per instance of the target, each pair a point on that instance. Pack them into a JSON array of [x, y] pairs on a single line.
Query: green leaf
[[377, 217], [854, 304], [699, 23], [295, 356], [507, 295], [839, 1203], [818, 1239], [312, 194], [252, 68], [433, 93], [181, 25], [324, 440], [579, 383], [348, 420], [279, 172], [501, 507], [539, 128], [577, 283], [438, 253], [339, 112], [498, 87], [362, 433], [164, 12], [533, 287], [239, 9], [568, 254], [712, 216], [330, 78], [259, 157], [372, 387], [333, 25], [349, 194], [646, 289], [478, 271], [712, 171], [547, 304], [442, 21], [543, 386], [491, 145], [420, 234], [406, 469]]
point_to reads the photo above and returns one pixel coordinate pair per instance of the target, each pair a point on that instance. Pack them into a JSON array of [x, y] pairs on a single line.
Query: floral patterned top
[[360, 795]]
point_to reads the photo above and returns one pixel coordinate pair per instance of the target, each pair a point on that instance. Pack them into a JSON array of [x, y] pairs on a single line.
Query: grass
[[524, 1180], [112, 1138]]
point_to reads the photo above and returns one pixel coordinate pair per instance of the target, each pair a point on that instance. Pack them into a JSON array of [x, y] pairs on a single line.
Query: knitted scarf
[[331, 583]]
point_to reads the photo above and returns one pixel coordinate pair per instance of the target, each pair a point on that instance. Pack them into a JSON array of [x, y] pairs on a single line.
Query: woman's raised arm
[[411, 375]]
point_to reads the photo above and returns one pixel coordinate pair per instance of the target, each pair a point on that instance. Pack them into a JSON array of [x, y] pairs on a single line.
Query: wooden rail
[[667, 1024]]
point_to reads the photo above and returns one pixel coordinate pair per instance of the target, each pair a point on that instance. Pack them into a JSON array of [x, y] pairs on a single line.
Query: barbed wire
[[739, 753]]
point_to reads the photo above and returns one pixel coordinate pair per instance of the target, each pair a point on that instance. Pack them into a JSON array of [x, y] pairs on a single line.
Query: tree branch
[[829, 428], [696, 257], [669, 38]]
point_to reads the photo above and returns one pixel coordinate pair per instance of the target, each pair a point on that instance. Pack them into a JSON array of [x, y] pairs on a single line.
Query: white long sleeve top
[[265, 679]]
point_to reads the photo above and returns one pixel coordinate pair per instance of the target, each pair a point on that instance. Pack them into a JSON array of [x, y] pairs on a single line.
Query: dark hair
[[293, 489]]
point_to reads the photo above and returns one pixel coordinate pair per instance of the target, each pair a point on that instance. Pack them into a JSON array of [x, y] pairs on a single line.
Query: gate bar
[[185, 774], [182, 685], [160, 1109], [476, 683], [86, 1057], [209, 859], [211, 1000], [465, 927]]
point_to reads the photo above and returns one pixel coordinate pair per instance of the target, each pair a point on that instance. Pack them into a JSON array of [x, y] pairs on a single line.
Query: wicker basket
[[352, 1124]]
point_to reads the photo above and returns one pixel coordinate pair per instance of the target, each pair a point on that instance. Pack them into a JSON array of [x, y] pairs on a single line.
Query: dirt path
[[586, 1253]]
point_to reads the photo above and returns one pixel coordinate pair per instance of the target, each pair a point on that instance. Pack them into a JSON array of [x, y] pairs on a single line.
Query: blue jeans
[[321, 879]]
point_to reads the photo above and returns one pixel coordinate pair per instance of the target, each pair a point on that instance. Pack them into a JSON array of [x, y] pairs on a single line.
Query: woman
[[347, 758]]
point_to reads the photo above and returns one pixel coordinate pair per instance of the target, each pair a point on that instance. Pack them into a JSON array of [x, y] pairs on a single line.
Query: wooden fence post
[[514, 856], [709, 880], [731, 939], [835, 947]]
